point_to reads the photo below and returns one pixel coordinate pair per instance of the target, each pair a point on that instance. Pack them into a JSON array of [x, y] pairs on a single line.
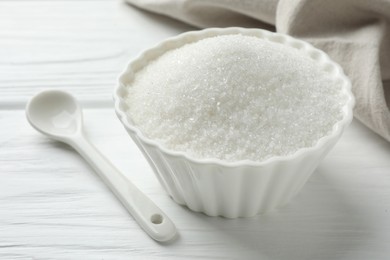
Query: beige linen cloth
[[355, 33]]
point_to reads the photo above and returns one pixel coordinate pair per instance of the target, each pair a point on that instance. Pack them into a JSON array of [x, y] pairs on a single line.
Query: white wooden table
[[52, 206]]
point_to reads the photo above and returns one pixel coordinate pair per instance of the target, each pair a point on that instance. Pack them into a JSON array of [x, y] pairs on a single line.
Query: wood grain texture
[[52, 206], [79, 46]]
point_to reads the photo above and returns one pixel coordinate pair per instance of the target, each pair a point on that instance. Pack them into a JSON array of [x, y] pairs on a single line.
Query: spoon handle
[[151, 218]]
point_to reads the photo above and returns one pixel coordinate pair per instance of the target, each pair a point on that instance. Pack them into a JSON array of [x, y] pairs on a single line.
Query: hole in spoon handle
[[157, 219]]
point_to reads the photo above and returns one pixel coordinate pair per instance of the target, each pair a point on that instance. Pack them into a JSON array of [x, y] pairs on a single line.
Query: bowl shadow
[[320, 223]]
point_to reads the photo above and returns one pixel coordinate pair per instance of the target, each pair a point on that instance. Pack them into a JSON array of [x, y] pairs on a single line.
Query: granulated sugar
[[234, 98]]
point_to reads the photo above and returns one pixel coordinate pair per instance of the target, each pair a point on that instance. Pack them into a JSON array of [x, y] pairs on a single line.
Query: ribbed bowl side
[[231, 192], [162, 171]]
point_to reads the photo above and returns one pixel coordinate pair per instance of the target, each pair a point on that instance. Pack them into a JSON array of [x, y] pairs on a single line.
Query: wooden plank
[[78, 46], [53, 207]]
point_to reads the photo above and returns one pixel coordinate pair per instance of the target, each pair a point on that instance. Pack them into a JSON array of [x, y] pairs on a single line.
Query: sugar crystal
[[234, 98]]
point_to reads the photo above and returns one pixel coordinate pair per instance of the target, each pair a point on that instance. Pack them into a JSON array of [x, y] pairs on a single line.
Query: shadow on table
[[320, 223]]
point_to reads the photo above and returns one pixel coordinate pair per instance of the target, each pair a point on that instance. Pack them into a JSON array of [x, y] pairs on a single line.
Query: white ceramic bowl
[[231, 189]]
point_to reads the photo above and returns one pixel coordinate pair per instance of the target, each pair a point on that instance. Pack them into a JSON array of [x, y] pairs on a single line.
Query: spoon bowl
[[55, 113]]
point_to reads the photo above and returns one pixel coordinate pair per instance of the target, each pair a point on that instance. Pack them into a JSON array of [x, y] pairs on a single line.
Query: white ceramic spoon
[[58, 115]]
